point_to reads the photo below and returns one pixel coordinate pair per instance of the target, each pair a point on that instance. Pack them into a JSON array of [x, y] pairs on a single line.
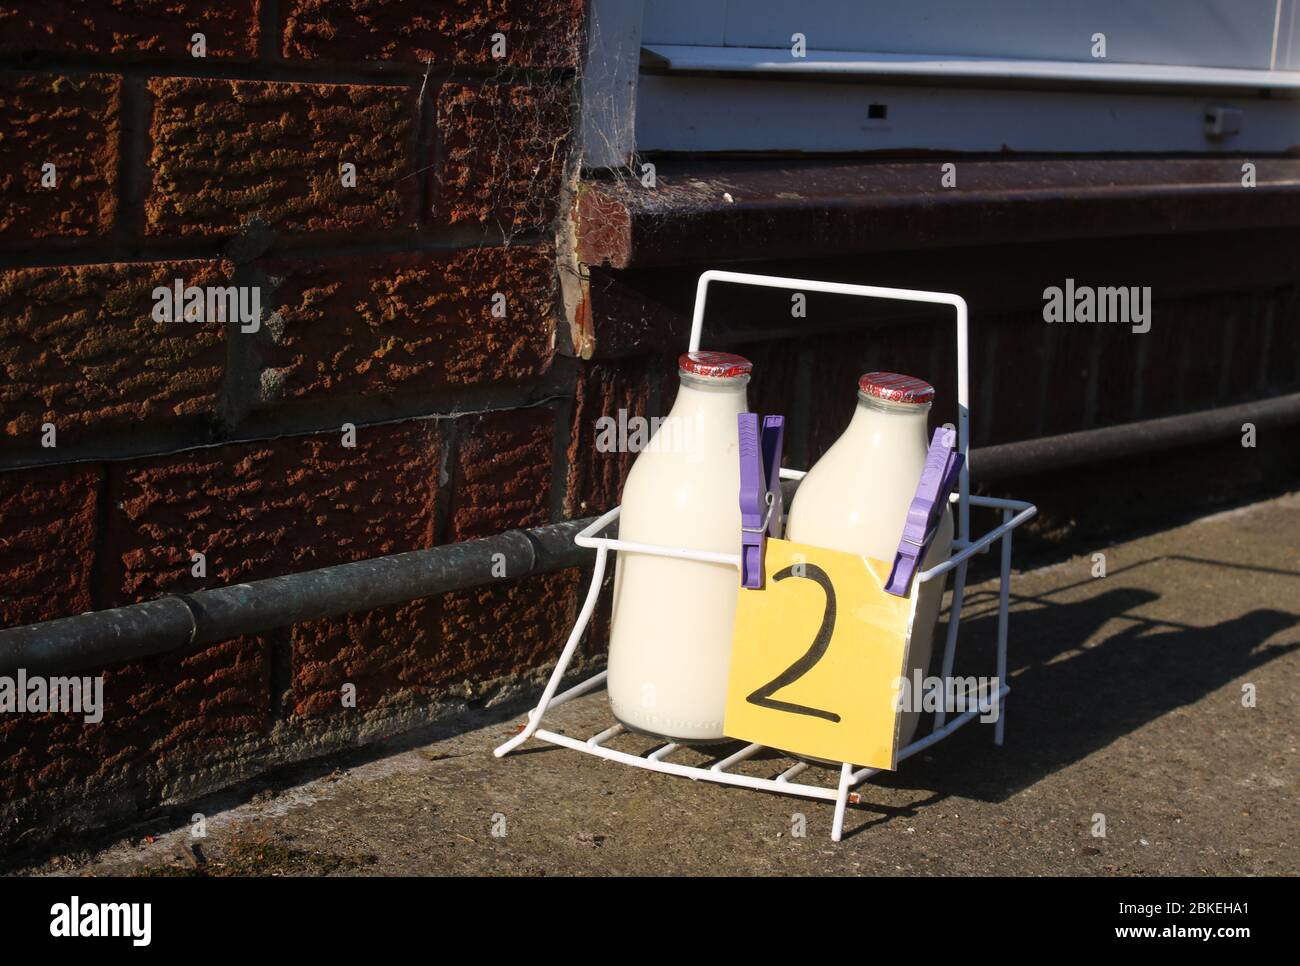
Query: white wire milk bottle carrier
[[1013, 513]]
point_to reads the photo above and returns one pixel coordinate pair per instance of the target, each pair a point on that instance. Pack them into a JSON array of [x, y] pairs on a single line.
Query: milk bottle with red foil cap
[[670, 640], [856, 497]]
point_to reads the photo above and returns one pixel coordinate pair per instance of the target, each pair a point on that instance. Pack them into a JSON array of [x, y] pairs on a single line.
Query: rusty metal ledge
[[747, 209]]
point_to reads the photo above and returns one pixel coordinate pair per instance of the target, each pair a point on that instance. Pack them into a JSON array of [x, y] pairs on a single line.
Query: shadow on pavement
[[1074, 692]]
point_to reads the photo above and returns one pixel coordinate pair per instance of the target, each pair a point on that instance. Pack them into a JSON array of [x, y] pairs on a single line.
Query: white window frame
[[646, 90]]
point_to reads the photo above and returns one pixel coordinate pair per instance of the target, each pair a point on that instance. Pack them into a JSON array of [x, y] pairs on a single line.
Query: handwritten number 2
[[763, 696]]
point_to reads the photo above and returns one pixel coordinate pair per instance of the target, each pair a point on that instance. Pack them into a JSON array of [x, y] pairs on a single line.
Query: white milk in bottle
[[855, 499], [670, 641]]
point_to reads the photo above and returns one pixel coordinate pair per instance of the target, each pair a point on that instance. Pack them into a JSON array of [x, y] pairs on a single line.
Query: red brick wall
[[377, 310]]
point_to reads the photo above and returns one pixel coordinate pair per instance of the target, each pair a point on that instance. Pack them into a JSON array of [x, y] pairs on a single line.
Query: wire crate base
[[656, 758]]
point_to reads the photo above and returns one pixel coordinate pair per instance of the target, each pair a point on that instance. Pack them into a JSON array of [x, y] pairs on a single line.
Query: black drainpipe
[[1049, 453], [208, 616]]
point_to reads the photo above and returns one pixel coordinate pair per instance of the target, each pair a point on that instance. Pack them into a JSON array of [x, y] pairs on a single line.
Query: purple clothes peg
[[942, 468], [760, 491]]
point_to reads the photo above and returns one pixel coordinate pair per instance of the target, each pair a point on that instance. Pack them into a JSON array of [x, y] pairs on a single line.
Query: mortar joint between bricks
[[442, 498], [133, 171], [270, 30]]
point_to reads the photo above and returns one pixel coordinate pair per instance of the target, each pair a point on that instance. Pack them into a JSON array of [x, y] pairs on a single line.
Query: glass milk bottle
[[670, 640], [856, 497]]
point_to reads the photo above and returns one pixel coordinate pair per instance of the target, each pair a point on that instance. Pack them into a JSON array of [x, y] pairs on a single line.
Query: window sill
[[934, 68], [717, 211]]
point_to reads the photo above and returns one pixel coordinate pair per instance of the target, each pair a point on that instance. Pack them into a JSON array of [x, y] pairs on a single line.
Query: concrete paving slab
[[1127, 703]]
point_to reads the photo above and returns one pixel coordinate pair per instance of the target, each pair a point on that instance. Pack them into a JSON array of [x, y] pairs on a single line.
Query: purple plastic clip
[[760, 492], [942, 468]]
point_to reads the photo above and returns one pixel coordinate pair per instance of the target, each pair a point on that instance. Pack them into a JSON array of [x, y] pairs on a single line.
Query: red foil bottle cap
[[895, 387], [714, 365]]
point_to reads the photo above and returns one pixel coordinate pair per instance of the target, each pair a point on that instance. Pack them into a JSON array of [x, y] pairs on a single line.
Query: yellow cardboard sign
[[816, 657]]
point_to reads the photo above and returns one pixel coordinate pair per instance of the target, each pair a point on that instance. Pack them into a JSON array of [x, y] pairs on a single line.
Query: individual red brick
[[162, 716], [384, 324], [501, 478], [47, 541], [604, 228], [539, 33], [227, 151], [267, 508], [604, 391], [79, 347], [457, 644], [71, 123], [384, 653], [507, 628], [503, 153], [144, 28]]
